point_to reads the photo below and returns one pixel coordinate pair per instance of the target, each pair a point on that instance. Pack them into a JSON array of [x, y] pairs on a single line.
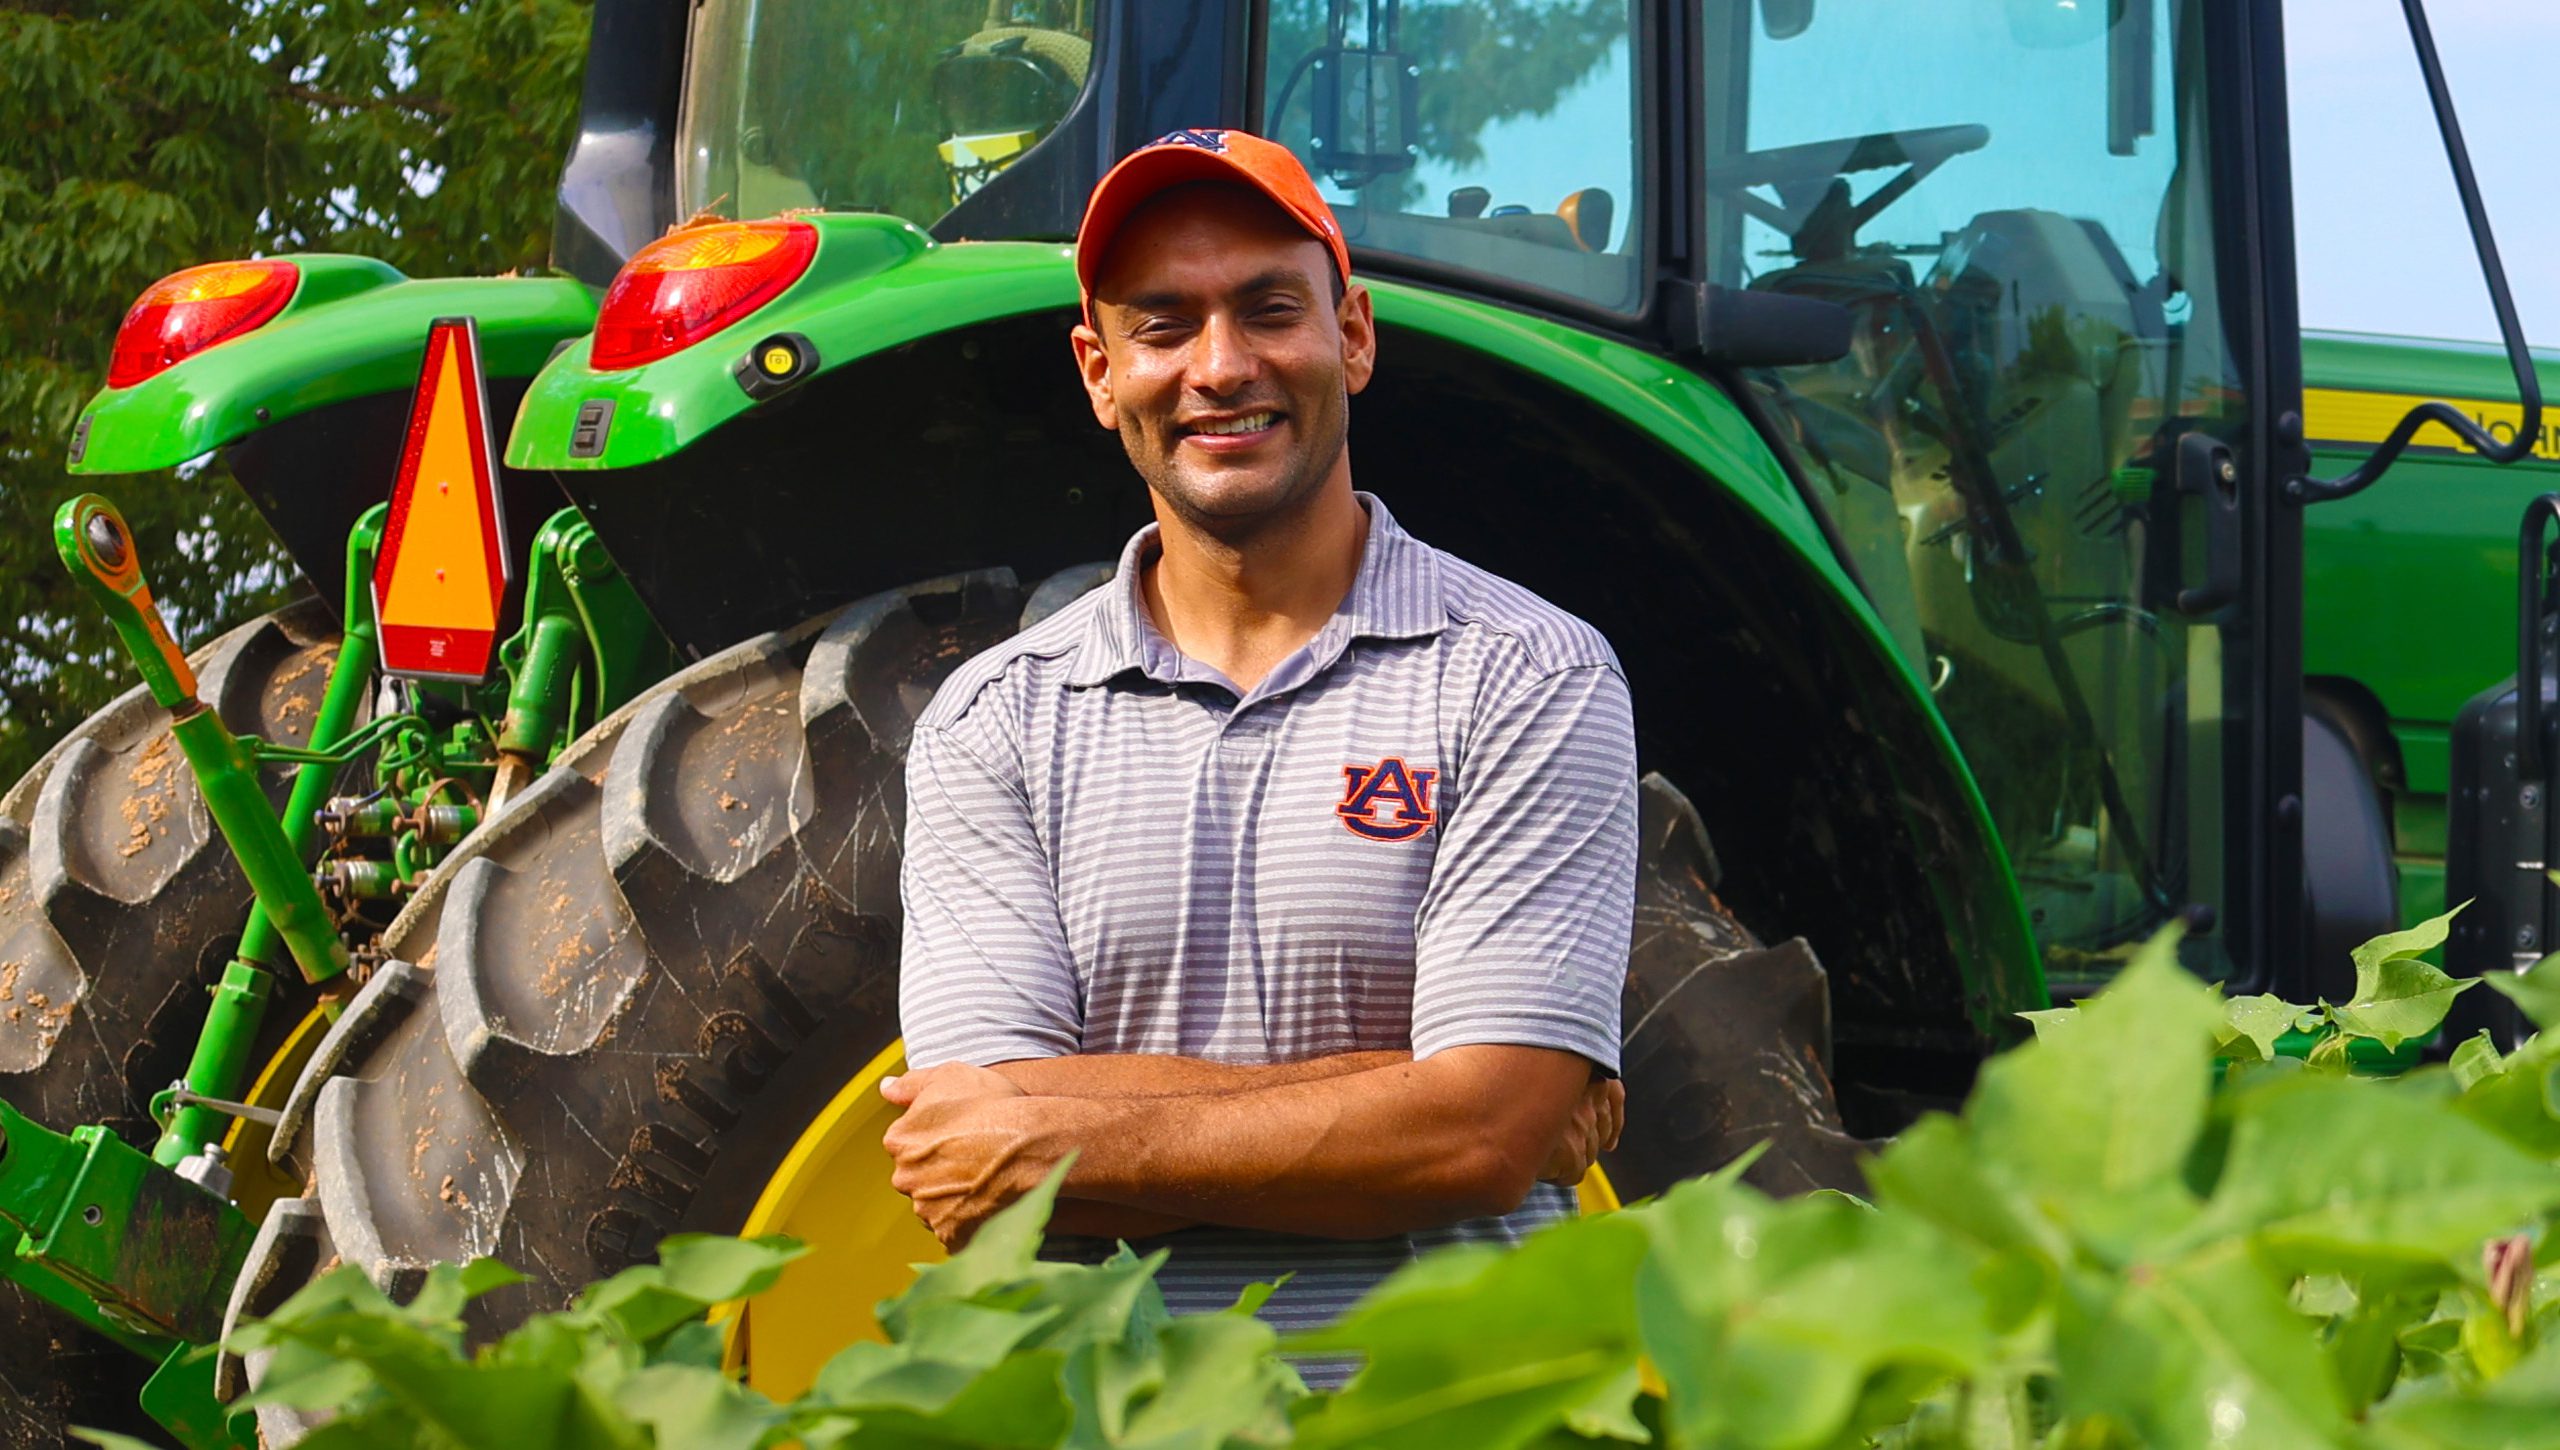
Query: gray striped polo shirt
[[1419, 831]]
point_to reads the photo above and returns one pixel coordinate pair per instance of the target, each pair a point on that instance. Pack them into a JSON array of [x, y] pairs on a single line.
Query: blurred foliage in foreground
[[2149, 1227], [156, 134]]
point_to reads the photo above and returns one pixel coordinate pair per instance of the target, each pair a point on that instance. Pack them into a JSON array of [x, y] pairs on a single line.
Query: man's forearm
[[1156, 1078], [1364, 1154], [1151, 1075]]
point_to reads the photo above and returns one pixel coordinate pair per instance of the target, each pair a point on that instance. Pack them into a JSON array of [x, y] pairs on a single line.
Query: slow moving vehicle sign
[[442, 575]]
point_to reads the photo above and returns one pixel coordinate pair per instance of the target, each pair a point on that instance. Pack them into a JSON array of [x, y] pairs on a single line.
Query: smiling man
[[1287, 880]]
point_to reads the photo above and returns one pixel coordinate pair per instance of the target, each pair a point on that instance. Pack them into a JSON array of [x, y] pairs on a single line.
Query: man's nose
[[1224, 360]]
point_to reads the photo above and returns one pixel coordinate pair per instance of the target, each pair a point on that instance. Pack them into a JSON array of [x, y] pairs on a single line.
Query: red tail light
[[186, 312], [680, 289]]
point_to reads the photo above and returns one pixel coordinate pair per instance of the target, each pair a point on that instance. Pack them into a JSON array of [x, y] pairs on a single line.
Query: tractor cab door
[[2043, 451]]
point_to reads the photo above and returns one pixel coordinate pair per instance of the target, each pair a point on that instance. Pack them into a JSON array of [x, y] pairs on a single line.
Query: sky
[[2377, 224]]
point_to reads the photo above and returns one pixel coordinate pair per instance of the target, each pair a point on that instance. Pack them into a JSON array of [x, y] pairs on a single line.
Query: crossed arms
[[1361, 1145], [1520, 938]]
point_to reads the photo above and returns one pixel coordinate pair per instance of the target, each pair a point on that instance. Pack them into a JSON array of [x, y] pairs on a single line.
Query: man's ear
[[1094, 366], [1359, 338]]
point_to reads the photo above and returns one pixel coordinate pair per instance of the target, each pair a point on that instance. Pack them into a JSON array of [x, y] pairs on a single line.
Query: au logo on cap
[[442, 575], [1207, 138]]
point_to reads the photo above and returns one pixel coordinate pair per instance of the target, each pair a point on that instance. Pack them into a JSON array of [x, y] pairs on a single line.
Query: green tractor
[[1912, 394], [2408, 591]]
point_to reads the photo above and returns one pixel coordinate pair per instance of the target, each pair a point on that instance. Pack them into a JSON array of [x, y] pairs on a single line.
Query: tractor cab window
[[865, 105], [2012, 199], [1487, 137]]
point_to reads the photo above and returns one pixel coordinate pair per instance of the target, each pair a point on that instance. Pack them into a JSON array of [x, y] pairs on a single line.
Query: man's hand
[[967, 1146], [1592, 1131]]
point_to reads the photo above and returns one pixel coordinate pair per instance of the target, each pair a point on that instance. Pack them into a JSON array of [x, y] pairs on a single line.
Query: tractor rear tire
[[624, 999], [119, 906], [625, 996]]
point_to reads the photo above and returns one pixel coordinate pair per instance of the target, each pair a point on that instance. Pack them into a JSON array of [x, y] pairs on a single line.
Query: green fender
[[876, 283], [354, 328]]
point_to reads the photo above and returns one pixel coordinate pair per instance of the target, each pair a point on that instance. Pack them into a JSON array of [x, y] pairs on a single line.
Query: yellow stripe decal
[[2338, 415]]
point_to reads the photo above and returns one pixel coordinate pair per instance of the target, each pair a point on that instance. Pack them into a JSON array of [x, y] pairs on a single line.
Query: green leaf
[[2399, 997], [1017, 1405], [714, 1269], [1935, 1171], [2520, 1409], [2364, 1344], [1813, 1323], [2052, 1022], [2370, 1179], [2476, 1060], [2521, 1102], [1251, 1298], [1203, 1380], [699, 1343], [2098, 1123], [693, 1272], [1004, 1251], [2535, 990], [2391, 946], [110, 1439], [2202, 1352], [2258, 1021], [1116, 1301], [1491, 1358], [696, 1407]]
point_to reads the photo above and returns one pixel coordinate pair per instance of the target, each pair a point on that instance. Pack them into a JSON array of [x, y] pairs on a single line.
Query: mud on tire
[[119, 905]]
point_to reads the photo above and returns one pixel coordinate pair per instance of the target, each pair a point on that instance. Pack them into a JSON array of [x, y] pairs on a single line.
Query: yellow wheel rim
[[831, 1192], [256, 1183]]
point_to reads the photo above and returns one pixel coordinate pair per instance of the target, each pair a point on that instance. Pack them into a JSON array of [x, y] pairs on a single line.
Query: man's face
[[1220, 355]]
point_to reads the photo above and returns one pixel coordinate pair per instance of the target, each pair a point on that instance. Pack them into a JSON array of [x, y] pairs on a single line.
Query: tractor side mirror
[[1785, 19], [1362, 112]]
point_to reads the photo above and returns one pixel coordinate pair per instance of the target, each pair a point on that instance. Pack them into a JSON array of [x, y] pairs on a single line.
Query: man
[[1287, 880]]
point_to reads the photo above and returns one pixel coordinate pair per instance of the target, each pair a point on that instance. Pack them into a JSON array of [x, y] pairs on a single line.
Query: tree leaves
[[156, 134]]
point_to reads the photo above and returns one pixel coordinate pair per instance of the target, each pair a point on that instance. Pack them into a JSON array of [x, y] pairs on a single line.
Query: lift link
[[288, 916], [98, 549]]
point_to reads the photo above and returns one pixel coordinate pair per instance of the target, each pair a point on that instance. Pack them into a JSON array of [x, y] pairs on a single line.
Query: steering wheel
[[1813, 203]]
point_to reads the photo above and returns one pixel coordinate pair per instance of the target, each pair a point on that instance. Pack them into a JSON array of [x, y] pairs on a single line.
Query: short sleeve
[[984, 973], [1523, 932]]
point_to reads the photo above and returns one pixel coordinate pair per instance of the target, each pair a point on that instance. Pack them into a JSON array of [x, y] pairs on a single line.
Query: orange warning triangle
[[442, 573]]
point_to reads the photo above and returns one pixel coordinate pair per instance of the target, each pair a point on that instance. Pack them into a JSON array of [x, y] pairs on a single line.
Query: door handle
[[2207, 473]]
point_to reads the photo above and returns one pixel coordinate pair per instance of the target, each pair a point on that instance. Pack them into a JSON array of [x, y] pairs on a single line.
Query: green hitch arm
[[98, 549]]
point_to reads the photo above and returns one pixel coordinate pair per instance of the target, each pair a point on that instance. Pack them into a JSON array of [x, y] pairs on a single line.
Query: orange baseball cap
[[1207, 153]]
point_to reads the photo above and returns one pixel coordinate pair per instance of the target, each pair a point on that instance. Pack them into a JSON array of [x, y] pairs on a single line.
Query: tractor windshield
[[1483, 137], [2012, 199], [856, 105]]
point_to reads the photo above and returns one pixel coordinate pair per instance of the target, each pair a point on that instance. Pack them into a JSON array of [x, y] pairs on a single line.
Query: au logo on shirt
[[1387, 801]]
